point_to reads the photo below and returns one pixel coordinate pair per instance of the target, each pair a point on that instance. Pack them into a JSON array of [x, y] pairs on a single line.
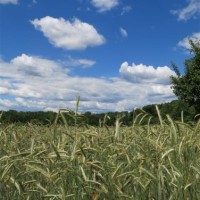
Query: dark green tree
[[187, 86]]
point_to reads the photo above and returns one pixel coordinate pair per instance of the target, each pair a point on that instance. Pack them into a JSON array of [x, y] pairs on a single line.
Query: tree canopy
[[187, 86]]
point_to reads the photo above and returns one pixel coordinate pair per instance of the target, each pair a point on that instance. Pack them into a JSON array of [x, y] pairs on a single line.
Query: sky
[[115, 54]]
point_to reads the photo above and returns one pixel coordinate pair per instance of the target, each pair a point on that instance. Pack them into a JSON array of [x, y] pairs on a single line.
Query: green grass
[[140, 162]]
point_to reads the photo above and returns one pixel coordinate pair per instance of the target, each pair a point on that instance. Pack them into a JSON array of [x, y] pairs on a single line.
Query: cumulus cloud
[[36, 66], [8, 1], [123, 32], [192, 10], [104, 5], [70, 35], [35, 83], [145, 74], [184, 43], [25, 74]]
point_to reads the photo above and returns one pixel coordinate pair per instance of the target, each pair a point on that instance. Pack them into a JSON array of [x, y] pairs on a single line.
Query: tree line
[[174, 109]]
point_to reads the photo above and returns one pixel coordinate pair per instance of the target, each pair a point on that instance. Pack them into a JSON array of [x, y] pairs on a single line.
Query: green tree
[[187, 86]]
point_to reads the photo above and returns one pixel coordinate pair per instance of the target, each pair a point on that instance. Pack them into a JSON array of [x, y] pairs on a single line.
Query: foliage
[[187, 86], [13, 116], [174, 109]]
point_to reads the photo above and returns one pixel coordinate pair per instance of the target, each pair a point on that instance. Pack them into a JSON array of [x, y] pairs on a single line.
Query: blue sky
[[115, 54]]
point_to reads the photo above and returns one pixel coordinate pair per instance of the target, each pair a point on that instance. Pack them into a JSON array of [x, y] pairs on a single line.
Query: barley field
[[140, 162]]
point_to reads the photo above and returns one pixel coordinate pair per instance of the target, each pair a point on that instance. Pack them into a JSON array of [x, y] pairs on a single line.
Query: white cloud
[[5, 103], [3, 90], [104, 5], [70, 35], [185, 42], [126, 9], [35, 66], [71, 62], [146, 74], [25, 74], [8, 1], [123, 32], [36, 83], [191, 10]]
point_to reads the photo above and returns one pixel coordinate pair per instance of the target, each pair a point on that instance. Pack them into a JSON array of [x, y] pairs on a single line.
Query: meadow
[[139, 162]]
